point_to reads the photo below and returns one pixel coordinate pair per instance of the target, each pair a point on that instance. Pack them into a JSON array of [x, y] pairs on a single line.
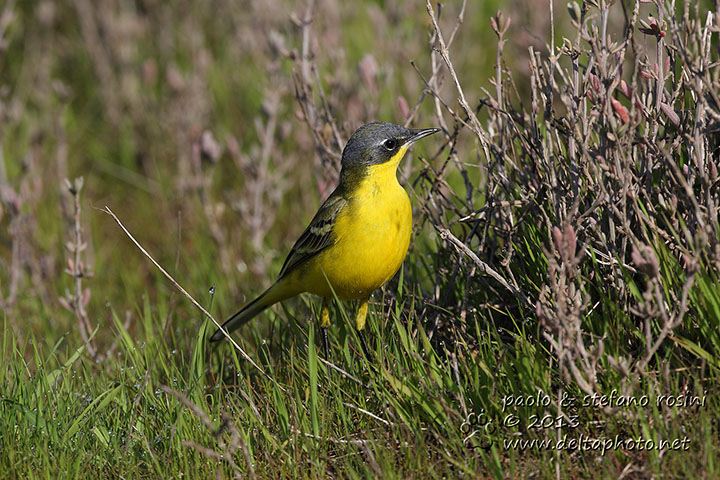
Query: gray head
[[378, 142]]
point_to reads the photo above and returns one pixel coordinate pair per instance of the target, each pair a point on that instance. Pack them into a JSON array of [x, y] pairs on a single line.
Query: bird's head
[[380, 142]]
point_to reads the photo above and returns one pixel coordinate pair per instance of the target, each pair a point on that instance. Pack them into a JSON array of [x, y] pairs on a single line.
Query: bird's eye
[[390, 144]]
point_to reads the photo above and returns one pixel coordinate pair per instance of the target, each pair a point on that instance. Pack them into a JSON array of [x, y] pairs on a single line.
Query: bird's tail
[[269, 297]]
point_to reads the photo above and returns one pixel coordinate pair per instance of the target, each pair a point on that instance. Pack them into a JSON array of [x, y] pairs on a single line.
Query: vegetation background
[[565, 251]]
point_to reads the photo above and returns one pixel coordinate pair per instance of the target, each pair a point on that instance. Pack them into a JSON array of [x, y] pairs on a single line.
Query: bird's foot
[[326, 343], [366, 351]]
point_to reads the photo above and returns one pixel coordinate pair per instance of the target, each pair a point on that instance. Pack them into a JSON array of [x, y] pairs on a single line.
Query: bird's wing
[[317, 236]]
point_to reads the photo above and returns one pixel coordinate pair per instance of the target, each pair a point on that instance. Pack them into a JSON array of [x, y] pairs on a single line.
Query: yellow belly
[[373, 235]]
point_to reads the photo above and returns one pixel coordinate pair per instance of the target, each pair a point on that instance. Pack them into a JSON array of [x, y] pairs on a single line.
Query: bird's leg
[[360, 318], [324, 324]]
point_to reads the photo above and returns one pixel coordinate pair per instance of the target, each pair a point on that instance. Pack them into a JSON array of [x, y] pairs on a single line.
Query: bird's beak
[[418, 134]]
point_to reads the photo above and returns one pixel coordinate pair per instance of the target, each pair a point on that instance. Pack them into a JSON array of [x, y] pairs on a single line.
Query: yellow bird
[[358, 238]]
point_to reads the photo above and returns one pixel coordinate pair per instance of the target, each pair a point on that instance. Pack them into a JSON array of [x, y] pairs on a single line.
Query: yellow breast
[[373, 235]]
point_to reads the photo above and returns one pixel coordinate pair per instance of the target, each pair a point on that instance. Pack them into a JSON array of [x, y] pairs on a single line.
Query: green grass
[[412, 410]]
